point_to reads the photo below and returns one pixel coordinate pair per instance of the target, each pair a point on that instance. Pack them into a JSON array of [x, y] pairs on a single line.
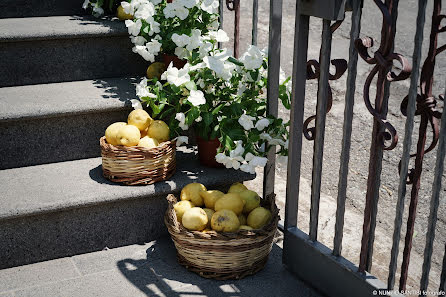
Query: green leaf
[[207, 119], [236, 134], [217, 109]]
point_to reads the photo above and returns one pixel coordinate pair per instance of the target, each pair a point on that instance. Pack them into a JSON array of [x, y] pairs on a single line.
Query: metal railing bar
[[435, 201], [275, 34], [236, 28], [299, 77], [404, 165], [347, 129], [255, 18], [220, 18], [321, 108], [443, 273]]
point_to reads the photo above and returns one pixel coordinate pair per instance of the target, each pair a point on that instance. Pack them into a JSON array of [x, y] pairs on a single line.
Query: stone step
[[56, 122], [149, 269], [67, 208], [65, 48], [35, 8]]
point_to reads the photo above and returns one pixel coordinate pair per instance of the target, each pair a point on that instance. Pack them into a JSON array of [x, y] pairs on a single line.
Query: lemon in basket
[[210, 197], [245, 227], [159, 130], [195, 219], [231, 201], [225, 220], [259, 217], [209, 213], [128, 135], [140, 119], [181, 207], [120, 13], [192, 192], [252, 200], [237, 188], [148, 142], [112, 131], [242, 219]]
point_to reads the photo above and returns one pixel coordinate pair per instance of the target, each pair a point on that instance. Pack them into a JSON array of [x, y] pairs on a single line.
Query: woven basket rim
[[177, 229], [105, 145]]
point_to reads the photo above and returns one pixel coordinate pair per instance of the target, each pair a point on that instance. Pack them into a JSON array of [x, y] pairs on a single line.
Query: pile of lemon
[[239, 209], [140, 130]]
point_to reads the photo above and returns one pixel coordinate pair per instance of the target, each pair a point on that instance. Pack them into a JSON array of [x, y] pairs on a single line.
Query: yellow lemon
[[128, 135], [159, 130], [245, 227], [259, 217], [181, 207], [242, 219], [231, 201], [225, 220], [112, 131], [148, 142], [252, 200], [139, 118], [192, 192], [120, 13], [195, 219], [237, 187], [210, 197], [209, 213], [156, 70]]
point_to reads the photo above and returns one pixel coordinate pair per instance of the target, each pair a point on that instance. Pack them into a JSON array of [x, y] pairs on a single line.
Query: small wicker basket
[[222, 255], [138, 165]]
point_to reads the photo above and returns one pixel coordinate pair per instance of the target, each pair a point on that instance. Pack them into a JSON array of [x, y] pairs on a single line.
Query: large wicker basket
[[222, 255], [138, 165]]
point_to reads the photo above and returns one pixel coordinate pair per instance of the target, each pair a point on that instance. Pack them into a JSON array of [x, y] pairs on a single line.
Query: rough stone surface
[[149, 269], [34, 8], [78, 49], [70, 208], [57, 122]]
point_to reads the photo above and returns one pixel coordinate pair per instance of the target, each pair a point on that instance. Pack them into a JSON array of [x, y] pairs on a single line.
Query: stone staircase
[[64, 79]]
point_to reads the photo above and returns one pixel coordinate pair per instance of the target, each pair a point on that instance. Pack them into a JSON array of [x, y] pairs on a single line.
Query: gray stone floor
[[148, 269]]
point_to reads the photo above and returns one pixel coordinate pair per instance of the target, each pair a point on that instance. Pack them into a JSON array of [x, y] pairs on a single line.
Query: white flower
[[145, 11], [258, 161], [248, 168], [194, 40], [154, 47], [196, 98], [180, 40], [175, 9], [239, 150], [199, 119], [221, 158], [175, 76], [156, 2], [128, 7], [133, 27], [181, 12], [154, 27], [253, 58], [181, 117], [138, 40], [181, 52], [188, 3], [169, 10], [249, 157], [85, 5], [265, 136], [222, 70], [276, 141], [219, 35], [142, 50], [182, 139], [97, 11], [262, 124], [241, 89], [136, 104], [246, 122], [210, 6], [205, 48]]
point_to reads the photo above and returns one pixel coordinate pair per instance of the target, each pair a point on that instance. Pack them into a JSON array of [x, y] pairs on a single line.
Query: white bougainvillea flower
[[258, 161], [138, 40], [145, 11], [246, 122], [181, 12], [210, 6], [180, 40], [248, 168], [181, 118], [133, 27], [253, 58], [154, 47], [188, 3], [196, 98], [238, 151], [175, 76], [219, 66], [153, 28], [97, 11], [221, 158], [182, 139], [136, 104], [205, 48], [220, 35], [144, 52], [85, 4], [169, 10], [128, 7], [194, 40], [262, 124]]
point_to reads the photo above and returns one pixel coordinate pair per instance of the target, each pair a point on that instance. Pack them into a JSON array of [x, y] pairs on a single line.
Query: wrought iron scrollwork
[[313, 72]]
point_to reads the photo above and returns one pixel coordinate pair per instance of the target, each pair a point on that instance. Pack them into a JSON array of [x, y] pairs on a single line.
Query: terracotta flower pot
[[207, 150], [178, 63]]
